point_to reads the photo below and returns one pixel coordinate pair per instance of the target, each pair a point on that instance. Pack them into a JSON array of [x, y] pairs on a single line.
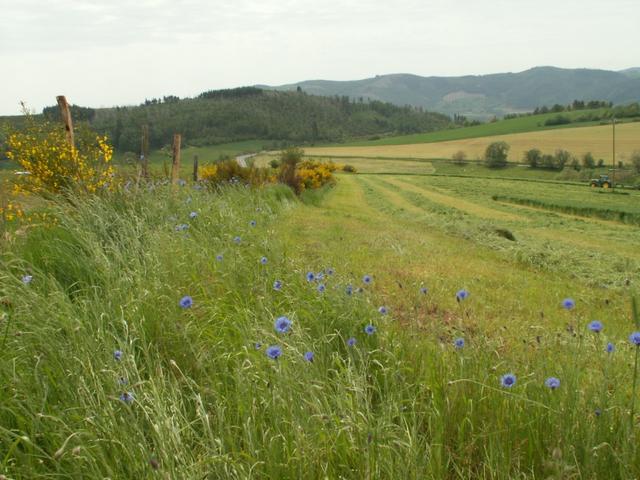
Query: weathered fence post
[[66, 118], [175, 167], [195, 168], [144, 151]]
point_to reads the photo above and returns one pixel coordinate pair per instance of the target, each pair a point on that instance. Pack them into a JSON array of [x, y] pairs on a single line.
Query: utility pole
[[613, 172], [175, 167], [144, 151]]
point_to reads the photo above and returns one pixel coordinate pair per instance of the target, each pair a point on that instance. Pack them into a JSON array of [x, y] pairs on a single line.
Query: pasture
[[577, 140]]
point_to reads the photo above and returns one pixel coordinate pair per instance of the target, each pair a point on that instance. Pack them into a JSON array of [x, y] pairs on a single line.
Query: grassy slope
[[402, 404], [502, 127]]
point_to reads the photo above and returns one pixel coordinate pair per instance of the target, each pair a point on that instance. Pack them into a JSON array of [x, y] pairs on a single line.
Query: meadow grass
[[207, 402]]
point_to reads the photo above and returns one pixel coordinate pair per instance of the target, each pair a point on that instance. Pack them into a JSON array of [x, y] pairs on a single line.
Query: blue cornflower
[[282, 324], [552, 383], [308, 356], [253, 223], [610, 347], [277, 285], [26, 279], [568, 304], [219, 257], [263, 260], [310, 276], [351, 342], [237, 239], [635, 338], [321, 288], [274, 352], [187, 200], [367, 279], [370, 329], [597, 412], [459, 343], [462, 295], [382, 310], [193, 214], [182, 227], [319, 276], [117, 355], [423, 290], [186, 301], [330, 271], [257, 345], [123, 381], [127, 398], [596, 326], [182, 182], [349, 290], [508, 380]]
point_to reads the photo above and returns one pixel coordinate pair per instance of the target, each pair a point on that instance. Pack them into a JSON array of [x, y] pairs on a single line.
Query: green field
[[530, 123], [203, 401]]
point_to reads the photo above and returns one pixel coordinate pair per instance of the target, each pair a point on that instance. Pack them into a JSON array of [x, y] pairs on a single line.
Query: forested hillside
[[250, 113]]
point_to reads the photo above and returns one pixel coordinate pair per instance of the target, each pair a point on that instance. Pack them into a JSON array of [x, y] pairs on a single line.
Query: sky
[[117, 52]]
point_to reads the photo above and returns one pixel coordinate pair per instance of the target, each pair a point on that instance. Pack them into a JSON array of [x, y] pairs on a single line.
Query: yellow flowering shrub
[[53, 164], [313, 174], [229, 171]]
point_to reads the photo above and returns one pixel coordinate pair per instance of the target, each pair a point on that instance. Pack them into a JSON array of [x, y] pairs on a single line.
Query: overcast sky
[[116, 52]]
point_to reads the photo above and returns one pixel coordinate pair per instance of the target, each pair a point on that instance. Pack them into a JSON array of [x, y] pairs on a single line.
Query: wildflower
[[596, 326], [182, 227], [253, 223], [282, 324], [382, 310], [635, 338], [187, 200], [459, 343], [330, 271], [26, 279], [351, 342], [193, 214], [370, 329], [610, 347], [263, 260], [462, 295], [321, 288], [552, 383], [117, 355], [237, 239], [127, 397], [182, 182], [423, 290], [319, 276], [349, 290], [597, 412], [257, 345], [274, 352], [122, 381], [186, 301], [308, 356], [310, 276], [508, 380], [277, 285], [367, 279], [568, 304], [219, 257]]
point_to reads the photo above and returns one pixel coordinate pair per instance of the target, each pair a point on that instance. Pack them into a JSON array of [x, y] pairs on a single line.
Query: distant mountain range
[[483, 96]]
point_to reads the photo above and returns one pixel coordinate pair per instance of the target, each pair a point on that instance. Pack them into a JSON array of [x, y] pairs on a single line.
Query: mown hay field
[[578, 141]]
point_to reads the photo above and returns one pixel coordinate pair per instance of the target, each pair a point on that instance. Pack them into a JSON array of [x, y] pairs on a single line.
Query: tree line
[[249, 113]]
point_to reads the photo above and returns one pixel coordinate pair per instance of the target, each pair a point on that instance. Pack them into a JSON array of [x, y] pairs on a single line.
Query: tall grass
[[402, 403]]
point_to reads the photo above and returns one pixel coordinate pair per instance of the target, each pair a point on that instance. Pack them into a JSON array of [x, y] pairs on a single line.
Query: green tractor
[[602, 182]]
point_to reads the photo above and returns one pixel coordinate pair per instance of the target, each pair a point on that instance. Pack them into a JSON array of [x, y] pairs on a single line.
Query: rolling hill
[[484, 96]]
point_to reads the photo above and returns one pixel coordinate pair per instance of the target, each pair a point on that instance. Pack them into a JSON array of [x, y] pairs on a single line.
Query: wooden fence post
[[195, 168], [66, 118], [175, 168], [144, 151]]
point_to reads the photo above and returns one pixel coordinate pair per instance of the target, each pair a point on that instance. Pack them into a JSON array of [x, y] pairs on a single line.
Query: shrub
[[229, 171], [313, 174], [533, 158], [588, 161], [349, 169], [459, 158], [495, 155], [274, 163], [635, 160], [54, 165]]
